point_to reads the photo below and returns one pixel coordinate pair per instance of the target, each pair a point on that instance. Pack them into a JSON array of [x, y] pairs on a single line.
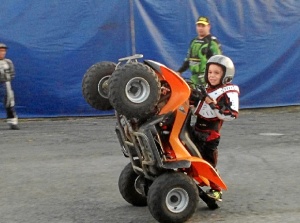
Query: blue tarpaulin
[[53, 43]]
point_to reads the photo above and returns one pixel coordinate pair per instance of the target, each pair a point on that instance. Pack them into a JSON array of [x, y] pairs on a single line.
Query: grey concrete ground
[[66, 171]]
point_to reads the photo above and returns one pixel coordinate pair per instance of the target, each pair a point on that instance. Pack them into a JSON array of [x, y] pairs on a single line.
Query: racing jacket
[[7, 70], [211, 119], [200, 50]]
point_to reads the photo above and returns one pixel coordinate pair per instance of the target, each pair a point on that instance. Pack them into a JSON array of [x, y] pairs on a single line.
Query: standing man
[[7, 74], [201, 49]]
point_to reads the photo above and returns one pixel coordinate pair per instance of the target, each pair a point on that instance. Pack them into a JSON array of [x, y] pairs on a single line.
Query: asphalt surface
[[66, 171]]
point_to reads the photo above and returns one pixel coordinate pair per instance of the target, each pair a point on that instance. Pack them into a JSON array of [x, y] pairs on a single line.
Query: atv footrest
[[176, 164], [211, 203]]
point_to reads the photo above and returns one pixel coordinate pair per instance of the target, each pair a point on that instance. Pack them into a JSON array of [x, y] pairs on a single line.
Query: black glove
[[202, 90], [197, 95]]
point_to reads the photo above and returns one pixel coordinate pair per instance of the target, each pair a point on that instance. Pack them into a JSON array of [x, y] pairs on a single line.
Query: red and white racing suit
[[209, 121]]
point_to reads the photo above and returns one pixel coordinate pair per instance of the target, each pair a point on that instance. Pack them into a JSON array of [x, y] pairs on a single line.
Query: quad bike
[[153, 115]]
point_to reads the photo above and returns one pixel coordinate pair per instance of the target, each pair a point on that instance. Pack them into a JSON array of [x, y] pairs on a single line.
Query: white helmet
[[227, 65]]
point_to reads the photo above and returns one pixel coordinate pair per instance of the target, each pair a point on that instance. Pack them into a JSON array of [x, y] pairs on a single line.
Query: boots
[[13, 123]]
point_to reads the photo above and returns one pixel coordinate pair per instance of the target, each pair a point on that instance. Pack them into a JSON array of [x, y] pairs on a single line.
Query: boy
[[7, 74], [217, 103]]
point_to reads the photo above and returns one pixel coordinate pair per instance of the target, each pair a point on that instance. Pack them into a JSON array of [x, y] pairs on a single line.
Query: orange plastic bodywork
[[202, 171], [178, 103], [180, 90]]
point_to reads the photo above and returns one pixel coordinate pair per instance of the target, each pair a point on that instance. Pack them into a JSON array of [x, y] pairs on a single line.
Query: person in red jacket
[[216, 103]]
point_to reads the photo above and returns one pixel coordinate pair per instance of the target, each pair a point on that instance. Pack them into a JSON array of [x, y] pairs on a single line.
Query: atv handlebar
[[203, 94]]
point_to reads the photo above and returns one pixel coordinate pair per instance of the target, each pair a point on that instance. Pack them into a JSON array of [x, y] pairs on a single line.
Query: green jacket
[[199, 52]]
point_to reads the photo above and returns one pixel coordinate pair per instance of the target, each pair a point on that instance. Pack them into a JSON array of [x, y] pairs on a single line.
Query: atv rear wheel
[[173, 197], [130, 187], [134, 90], [95, 85]]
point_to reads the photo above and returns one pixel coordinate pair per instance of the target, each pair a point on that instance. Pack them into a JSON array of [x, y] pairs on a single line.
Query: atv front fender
[[202, 171]]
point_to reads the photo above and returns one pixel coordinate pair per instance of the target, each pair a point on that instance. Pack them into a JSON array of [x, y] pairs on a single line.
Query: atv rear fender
[[180, 91]]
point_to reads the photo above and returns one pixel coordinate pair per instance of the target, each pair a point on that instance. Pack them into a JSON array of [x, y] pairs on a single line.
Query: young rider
[[217, 103]]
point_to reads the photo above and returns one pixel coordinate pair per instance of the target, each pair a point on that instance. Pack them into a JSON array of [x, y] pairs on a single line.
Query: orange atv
[[153, 127]]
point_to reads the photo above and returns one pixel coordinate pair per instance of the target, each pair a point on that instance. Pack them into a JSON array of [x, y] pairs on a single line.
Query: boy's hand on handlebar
[[211, 102]]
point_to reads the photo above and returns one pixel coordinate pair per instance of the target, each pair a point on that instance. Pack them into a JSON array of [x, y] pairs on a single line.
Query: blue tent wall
[[53, 43], [261, 37]]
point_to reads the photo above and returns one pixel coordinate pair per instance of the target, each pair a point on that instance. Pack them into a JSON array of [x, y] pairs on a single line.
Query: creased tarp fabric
[[53, 43], [261, 37]]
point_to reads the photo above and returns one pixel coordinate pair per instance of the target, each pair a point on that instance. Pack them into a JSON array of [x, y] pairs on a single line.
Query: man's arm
[[214, 49], [11, 70], [186, 63], [184, 66]]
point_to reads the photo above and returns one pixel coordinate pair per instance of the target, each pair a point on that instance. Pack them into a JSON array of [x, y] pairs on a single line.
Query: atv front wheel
[[95, 85], [130, 187], [134, 90], [173, 197]]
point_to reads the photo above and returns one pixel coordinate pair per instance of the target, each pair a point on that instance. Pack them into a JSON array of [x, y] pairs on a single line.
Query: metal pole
[[132, 28]]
